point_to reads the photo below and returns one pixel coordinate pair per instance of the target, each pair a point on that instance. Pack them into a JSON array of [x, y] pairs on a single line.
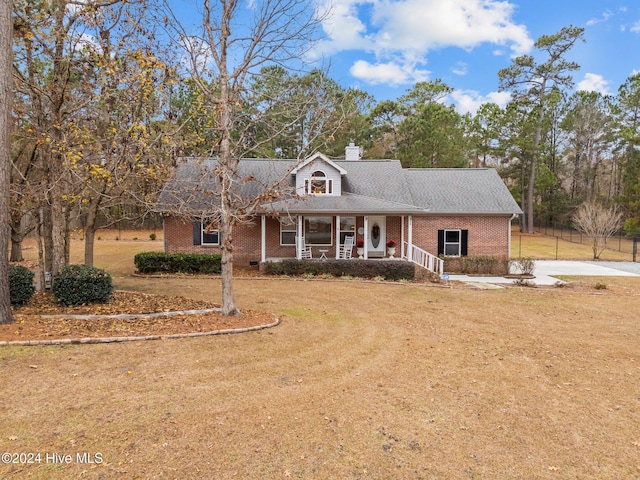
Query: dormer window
[[319, 184]]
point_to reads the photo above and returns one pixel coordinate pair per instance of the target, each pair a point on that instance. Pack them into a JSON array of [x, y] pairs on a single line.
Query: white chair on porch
[[303, 251], [346, 249]]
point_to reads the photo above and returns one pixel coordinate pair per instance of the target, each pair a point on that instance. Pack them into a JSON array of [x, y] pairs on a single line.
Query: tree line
[[109, 93]]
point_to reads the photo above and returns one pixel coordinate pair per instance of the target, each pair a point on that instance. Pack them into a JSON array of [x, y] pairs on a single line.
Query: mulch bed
[[31, 321]]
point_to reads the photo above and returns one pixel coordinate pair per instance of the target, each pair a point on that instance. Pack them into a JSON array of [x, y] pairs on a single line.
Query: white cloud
[[593, 82], [635, 28], [390, 73], [401, 33], [605, 16], [469, 101], [460, 69], [422, 25]]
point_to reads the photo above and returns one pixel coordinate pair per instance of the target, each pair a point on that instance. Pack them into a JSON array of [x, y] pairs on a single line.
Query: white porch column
[[366, 236], [299, 234], [402, 236], [410, 239], [337, 236], [263, 238]]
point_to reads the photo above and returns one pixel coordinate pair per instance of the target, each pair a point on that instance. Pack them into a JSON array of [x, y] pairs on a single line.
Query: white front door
[[377, 236]]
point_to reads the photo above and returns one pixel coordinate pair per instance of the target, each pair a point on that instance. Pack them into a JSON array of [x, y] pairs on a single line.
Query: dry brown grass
[[361, 380]]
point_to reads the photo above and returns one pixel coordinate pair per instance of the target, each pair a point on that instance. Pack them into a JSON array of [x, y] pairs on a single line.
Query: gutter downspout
[[513, 216], [263, 238]]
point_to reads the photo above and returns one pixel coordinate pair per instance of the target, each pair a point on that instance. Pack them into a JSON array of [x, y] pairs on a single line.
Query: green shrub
[[21, 287], [387, 269], [151, 262], [81, 285], [158, 262], [477, 265], [152, 236]]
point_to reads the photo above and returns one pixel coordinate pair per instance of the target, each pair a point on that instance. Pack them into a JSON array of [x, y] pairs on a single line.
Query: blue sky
[[385, 46]]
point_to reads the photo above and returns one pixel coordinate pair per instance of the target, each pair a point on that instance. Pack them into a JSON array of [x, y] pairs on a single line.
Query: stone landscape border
[[94, 340]]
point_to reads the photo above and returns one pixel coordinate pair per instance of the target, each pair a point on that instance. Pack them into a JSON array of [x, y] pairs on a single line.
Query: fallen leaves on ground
[[30, 322]]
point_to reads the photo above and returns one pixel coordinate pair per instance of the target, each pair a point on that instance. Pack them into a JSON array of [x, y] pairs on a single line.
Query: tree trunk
[[18, 233], [226, 219], [42, 263], [531, 192], [16, 250], [227, 165], [523, 203], [67, 236], [57, 221], [89, 243], [90, 226], [6, 103], [228, 298], [89, 237], [47, 238]]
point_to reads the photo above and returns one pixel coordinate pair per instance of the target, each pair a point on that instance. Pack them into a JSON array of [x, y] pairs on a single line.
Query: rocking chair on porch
[[303, 250], [346, 249]]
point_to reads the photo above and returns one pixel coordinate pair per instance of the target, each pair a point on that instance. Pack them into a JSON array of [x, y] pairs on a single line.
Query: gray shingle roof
[[461, 191], [370, 186]]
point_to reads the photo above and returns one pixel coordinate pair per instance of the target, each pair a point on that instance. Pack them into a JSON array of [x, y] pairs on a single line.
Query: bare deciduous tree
[[70, 68], [597, 222], [236, 41], [6, 95]]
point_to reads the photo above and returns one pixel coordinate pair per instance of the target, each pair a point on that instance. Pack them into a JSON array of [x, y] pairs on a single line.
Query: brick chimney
[[352, 152]]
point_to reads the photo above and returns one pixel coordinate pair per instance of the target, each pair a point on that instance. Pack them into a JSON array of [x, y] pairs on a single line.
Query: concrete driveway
[[546, 271]]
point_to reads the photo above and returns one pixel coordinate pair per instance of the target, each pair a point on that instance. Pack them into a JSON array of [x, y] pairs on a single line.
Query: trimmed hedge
[[158, 262], [21, 287], [81, 285], [387, 269], [477, 265]]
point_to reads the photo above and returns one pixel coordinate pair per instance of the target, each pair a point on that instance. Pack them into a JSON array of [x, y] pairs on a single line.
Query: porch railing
[[424, 259]]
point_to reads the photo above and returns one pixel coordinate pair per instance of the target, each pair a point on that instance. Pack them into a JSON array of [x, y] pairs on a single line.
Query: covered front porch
[[369, 236]]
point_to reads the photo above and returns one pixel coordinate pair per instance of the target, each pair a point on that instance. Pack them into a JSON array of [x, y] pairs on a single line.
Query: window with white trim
[[209, 234], [288, 227], [318, 230], [319, 184], [452, 243], [347, 227]]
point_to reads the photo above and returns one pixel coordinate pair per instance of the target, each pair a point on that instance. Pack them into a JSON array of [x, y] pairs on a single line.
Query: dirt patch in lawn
[[127, 314]]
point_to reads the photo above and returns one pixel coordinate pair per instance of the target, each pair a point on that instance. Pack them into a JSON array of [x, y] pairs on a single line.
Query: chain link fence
[[561, 237]]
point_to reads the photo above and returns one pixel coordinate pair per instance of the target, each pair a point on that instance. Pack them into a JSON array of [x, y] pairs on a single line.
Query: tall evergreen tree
[[628, 119], [531, 82]]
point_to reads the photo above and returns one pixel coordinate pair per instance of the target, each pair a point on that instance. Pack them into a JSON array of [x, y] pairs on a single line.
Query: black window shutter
[[440, 242], [197, 232], [464, 240]]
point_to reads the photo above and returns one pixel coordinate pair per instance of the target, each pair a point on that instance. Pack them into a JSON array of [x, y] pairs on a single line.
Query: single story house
[[321, 202]]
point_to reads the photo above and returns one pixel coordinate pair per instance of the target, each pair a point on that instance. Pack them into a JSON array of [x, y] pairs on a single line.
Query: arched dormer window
[[319, 184]]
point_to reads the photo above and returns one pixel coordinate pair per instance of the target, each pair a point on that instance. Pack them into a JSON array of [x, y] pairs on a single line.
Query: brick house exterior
[[440, 211]]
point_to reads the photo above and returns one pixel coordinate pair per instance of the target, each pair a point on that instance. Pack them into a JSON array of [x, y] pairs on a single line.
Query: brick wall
[[178, 237], [487, 236]]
